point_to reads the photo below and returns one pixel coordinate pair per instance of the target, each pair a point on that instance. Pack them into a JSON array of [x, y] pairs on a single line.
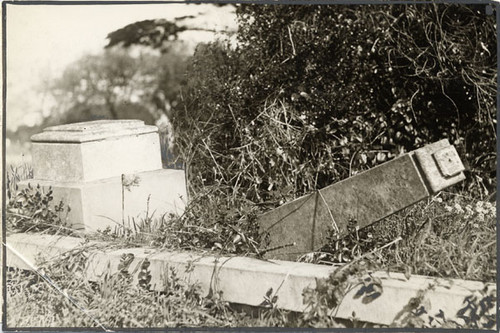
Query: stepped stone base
[[97, 204]]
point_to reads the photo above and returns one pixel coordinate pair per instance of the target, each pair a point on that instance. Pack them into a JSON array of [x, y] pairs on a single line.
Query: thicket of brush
[[314, 94]]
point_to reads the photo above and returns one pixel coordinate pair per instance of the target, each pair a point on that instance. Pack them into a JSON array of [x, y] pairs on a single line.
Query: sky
[[43, 39]]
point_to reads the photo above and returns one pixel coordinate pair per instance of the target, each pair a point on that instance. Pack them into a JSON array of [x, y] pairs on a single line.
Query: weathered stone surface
[[93, 160], [440, 164], [448, 161], [365, 198], [84, 164], [93, 131], [98, 204], [246, 280]]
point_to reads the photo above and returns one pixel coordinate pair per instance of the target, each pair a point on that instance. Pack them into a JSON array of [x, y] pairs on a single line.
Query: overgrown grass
[[450, 235], [15, 174], [113, 303], [60, 297]]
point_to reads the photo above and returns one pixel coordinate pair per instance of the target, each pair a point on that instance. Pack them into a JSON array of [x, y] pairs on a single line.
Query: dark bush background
[[315, 93]]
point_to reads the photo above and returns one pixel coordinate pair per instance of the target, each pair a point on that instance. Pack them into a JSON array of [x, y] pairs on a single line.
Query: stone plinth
[[98, 204], [95, 150], [90, 167]]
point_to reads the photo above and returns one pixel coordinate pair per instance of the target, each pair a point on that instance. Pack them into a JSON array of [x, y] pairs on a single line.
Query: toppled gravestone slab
[[107, 171], [303, 225]]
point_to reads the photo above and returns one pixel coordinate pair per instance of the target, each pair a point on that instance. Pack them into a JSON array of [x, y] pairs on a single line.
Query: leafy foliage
[[14, 175], [314, 94], [323, 300], [115, 84], [450, 60], [462, 228], [31, 209]]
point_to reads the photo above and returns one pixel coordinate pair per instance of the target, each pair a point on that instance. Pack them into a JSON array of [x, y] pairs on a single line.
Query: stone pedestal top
[[93, 131], [95, 150]]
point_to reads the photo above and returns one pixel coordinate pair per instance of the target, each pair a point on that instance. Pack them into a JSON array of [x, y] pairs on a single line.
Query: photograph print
[[249, 165]]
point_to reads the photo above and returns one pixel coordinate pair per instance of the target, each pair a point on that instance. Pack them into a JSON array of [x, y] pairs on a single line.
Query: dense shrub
[[313, 94]]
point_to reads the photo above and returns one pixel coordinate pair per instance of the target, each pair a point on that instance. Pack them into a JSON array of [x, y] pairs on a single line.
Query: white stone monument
[[107, 171]]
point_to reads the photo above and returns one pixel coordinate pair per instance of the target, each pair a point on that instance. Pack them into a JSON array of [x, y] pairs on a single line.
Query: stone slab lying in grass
[[246, 280], [97, 204]]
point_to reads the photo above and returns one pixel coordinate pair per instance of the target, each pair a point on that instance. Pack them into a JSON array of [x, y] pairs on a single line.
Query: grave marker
[[365, 198], [106, 171]]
